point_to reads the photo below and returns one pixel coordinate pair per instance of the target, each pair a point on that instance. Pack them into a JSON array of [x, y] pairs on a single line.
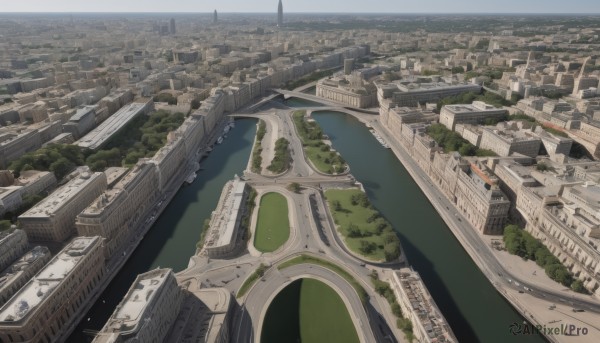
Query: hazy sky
[[379, 6]]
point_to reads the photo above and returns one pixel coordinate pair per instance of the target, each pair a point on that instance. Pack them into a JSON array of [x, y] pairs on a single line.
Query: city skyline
[[307, 6]]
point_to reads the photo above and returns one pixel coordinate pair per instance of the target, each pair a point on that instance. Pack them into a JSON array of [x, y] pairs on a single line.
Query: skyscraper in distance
[[172, 26], [215, 17], [280, 14]]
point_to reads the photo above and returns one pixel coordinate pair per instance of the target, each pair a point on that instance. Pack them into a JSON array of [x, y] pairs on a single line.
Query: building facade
[[21, 271], [115, 213], [147, 311], [507, 142], [474, 114], [429, 325], [13, 244], [52, 300], [222, 236], [53, 219]]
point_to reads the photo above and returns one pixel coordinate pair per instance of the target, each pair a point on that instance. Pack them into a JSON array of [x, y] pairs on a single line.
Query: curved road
[[262, 294]]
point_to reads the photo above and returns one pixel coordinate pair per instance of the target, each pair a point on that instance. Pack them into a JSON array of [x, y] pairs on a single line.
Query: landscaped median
[[365, 231], [257, 274], [320, 154], [303, 259], [256, 164], [272, 225], [281, 160]]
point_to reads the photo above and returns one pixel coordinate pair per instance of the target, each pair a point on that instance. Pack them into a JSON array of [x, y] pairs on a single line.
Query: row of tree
[[452, 141], [141, 138], [385, 290], [257, 151], [468, 98], [57, 158], [282, 156], [519, 242], [309, 131]]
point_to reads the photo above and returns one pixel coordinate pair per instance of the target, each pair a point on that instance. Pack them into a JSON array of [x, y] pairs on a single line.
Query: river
[[172, 239], [473, 308], [475, 311]]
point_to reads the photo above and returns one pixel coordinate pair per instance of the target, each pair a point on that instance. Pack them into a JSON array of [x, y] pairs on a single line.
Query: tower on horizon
[[280, 14], [172, 28], [215, 17]]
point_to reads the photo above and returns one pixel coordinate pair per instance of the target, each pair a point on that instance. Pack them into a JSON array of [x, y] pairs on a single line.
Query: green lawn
[[273, 226], [308, 311], [319, 153], [365, 231], [323, 315]]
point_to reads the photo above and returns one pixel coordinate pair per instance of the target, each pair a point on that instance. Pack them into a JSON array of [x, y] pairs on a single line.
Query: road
[[311, 232], [479, 251]]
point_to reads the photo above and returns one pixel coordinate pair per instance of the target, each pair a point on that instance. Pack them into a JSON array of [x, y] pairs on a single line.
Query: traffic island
[[256, 164], [252, 278], [365, 231], [320, 155], [272, 225]]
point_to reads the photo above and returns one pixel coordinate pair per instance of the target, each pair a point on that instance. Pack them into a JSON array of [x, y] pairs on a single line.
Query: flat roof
[[423, 306], [22, 264], [142, 293], [433, 86], [61, 196], [100, 135], [41, 286], [82, 112], [232, 212], [476, 106], [224, 222]]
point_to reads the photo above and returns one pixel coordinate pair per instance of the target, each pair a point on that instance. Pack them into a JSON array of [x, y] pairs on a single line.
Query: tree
[[382, 226], [577, 286], [295, 187], [391, 251], [458, 70], [467, 149], [531, 246], [542, 167], [354, 231], [396, 309], [61, 167], [367, 247], [337, 206], [260, 271]]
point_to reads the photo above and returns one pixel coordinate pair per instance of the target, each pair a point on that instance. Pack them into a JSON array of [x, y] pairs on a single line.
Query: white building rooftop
[[41, 287], [139, 296], [51, 204], [225, 221], [100, 135]]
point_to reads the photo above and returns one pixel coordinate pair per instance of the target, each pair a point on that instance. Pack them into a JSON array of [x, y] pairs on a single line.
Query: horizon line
[[304, 12]]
